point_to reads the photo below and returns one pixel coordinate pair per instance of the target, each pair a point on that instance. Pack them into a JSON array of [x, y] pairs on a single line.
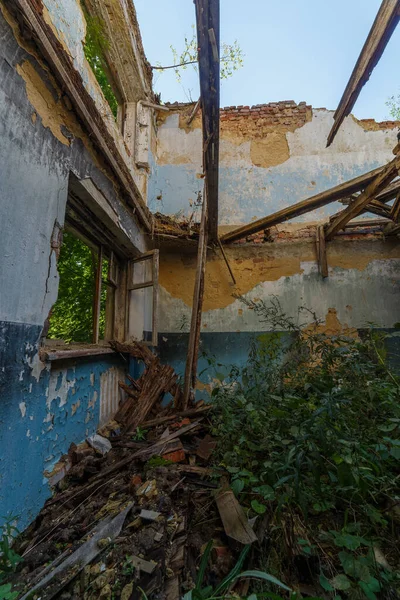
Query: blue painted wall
[[43, 407], [42, 411], [219, 352]]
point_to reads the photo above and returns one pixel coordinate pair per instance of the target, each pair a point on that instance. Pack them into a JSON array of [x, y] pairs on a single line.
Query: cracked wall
[[363, 287], [271, 156], [44, 406]]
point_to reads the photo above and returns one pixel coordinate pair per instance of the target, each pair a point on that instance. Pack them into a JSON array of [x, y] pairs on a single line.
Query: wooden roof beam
[[304, 206], [378, 37], [377, 185]]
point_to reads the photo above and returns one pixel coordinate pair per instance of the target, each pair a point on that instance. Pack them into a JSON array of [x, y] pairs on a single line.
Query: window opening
[[143, 297], [84, 310], [96, 44]]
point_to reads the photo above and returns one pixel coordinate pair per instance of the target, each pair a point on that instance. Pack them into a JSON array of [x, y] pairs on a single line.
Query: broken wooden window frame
[[112, 281], [153, 256]]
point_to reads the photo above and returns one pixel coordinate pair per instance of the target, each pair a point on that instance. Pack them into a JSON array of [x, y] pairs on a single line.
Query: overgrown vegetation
[[9, 559], [309, 431], [72, 315], [96, 44]]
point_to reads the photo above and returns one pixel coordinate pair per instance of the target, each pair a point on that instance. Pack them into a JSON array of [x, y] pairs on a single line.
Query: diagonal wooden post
[[197, 306]]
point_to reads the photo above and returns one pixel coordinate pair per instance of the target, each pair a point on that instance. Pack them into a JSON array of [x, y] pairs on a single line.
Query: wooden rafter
[[377, 185], [342, 190], [395, 212], [379, 35], [208, 37]]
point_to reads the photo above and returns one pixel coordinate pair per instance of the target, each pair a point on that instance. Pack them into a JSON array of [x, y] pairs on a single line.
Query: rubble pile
[[135, 508]]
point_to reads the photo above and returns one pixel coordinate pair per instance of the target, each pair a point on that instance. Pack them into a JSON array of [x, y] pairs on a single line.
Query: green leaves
[[347, 540], [6, 592], [341, 582], [315, 441], [257, 507]]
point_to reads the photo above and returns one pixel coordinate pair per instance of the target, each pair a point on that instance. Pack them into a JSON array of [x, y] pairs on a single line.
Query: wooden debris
[[206, 447], [377, 185], [194, 412], [158, 447], [73, 564], [233, 518], [395, 212], [194, 469]]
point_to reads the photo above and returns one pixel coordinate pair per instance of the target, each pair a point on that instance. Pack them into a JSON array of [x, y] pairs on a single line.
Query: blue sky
[[294, 50]]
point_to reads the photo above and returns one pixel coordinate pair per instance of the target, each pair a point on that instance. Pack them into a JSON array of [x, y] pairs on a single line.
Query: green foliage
[[140, 434], [309, 430], [72, 315], [393, 103], [95, 45], [128, 567], [157, 461], [9, 559], [231, 57], [6, 592], [222, 589]]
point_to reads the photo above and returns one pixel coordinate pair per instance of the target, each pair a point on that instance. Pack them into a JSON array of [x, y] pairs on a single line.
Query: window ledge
[[48, 354]]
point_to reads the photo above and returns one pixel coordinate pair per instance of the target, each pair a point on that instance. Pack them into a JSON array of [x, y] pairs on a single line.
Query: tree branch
[[189, 62]]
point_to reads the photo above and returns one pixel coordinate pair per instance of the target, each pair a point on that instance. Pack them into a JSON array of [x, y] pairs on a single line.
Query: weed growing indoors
[[310, 435]]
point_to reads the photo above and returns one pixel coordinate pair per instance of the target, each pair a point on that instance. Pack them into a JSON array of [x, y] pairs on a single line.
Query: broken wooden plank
[[227, 261], [194, 412], [194, 336], [366, 223], [194, 470], [135, 349], [206, 447], [378, 184], [395, 211], [321, 251], [304, 206], [194, 112], [392, 229], [158, 446], [378, 37], [234, 519]]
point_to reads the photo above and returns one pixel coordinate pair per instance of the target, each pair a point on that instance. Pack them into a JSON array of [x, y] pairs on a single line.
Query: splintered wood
[[147, 391]]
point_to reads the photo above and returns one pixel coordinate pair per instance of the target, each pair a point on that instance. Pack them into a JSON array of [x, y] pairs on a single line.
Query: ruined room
[[199, 321]]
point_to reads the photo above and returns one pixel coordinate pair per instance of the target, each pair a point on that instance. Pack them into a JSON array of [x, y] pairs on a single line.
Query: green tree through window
[[72, 315]]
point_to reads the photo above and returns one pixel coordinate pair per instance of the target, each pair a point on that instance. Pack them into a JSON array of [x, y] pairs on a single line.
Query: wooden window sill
[[50, 354]]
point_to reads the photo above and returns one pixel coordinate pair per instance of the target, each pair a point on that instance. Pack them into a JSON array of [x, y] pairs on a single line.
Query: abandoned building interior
[[186, 218]]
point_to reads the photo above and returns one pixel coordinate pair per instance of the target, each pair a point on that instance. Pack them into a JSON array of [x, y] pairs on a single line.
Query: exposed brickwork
[[276, 235], [285, 112]]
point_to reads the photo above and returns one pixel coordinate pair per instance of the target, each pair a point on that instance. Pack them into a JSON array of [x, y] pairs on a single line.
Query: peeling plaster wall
[[363, 287], [67, 20], [43, 408], [268, 160]]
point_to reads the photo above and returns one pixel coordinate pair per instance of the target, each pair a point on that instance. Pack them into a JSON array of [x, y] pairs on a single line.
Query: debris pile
[[135, 509], [185, 228]]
